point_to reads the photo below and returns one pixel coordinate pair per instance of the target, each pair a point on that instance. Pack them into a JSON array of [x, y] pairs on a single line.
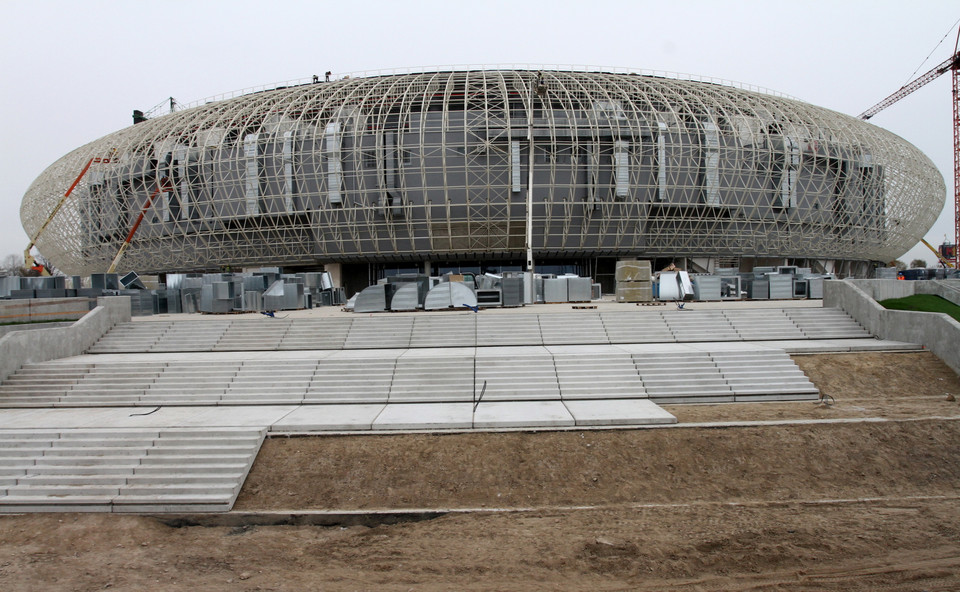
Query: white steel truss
[[434, 165]]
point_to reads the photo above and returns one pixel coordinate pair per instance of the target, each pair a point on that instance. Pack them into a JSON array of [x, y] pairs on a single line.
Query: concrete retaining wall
[[4, 329], [32, 310], [949, 289], [41, 345], [937, 332], [886, 289]]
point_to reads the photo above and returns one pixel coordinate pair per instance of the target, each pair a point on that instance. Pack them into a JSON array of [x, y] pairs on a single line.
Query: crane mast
[[952, 65]]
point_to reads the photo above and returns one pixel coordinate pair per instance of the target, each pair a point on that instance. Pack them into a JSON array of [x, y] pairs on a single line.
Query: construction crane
[[951, 64], [943, 260]]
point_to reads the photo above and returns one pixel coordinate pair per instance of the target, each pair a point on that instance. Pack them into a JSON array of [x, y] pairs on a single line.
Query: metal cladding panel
[[706, 287], [371, 299], [511, 289], [579, 289], [815, 288], [758, 289], [105, 281], [781, 286], [206, 298], [668, 286], [450, 295], [222, 291], [8, 284], [293, 296], [555, 290], [406, 297]]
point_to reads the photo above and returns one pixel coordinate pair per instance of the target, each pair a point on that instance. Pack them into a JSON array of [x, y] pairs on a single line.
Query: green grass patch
[[923, 303]]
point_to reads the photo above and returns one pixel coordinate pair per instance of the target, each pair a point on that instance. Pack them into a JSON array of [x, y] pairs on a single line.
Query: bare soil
[[821, 506]]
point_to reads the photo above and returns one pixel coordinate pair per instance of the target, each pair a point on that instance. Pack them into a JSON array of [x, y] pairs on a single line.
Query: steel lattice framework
[[438, 165]]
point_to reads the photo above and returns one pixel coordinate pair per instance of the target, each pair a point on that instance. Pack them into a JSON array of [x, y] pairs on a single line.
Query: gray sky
[[74, 71]]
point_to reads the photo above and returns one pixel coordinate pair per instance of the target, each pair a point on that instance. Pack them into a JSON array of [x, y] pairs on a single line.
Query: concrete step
[[454, 330], [469, 330], [764, 375], [573, 329], [636, 327], [519, 329], [159, 470], [521, 378]]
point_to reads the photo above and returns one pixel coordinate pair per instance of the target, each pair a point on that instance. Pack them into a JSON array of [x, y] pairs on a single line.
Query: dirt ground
[[823, 506]]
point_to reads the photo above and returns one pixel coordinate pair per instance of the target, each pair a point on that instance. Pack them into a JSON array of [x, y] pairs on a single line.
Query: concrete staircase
[[125, 470], [478, 330], [826, 323], [558, 329], [514, 329], [691, 377], [308, 334], [595, 377], [723, 377], [709, 325], [382, 372], [416, 376], [763, 376], [353, 380], [765, 324], [428, 379], [521, 376]]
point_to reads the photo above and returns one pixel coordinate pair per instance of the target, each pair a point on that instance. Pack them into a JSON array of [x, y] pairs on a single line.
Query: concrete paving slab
[[657, 348], [572, 350], [425, 416], [499, 351], [18, 418], [225, 416], [322, 418], [729, 346], [70, 418], [440, 352], [366, 354], [520, 414], [618, 412]]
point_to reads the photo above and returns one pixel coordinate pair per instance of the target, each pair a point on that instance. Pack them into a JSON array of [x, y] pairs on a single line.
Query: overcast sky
[[74, 71]]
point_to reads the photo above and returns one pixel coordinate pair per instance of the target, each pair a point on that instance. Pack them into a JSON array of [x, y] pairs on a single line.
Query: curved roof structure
[[443, 165]]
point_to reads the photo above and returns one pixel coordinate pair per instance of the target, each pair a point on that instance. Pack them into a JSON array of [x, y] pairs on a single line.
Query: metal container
[[555, 290], [511, 289], [489, 297], [706, 287], [757, 289], [579, 289], [781, 286], [815, 288], [105, 281]]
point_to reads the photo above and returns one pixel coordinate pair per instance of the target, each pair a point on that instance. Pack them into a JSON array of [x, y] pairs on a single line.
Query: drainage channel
[[372, 518]]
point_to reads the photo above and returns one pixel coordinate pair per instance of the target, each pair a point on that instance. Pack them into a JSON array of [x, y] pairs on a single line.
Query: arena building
[[488, 170]]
